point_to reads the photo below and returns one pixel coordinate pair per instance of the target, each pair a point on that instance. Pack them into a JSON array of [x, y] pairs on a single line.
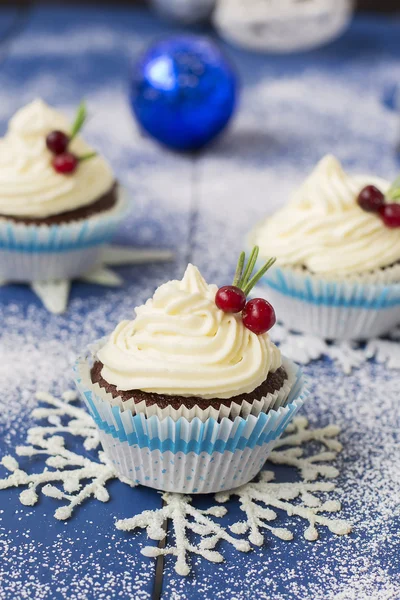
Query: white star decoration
[[55, 294]]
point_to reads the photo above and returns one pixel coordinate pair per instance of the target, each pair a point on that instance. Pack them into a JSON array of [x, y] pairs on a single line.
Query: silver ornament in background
[[282, 25], [184, 11]]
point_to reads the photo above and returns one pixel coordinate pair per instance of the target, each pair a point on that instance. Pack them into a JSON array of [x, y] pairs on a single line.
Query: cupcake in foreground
[[337, 244], [188, 398], [59, 201]]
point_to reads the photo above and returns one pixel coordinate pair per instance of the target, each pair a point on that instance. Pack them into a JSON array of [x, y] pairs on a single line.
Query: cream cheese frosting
[[29, 186], [324, 229], [181, 343]]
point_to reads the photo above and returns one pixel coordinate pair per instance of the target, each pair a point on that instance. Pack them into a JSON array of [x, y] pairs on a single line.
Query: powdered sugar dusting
[[73, 478], [293, 111], [347, 355]]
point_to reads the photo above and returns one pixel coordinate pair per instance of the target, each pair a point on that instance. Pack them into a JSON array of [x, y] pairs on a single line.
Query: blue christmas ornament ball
[[183, 91]]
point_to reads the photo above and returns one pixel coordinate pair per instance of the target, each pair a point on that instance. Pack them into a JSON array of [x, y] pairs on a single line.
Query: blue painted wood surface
[[293, 110]]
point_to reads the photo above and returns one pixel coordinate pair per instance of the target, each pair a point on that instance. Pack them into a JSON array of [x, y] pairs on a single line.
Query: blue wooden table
[[339, 99]]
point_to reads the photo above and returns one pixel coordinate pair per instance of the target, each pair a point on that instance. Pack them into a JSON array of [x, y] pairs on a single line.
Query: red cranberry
[[57, 142], [230, 299], [390, 214], [371, 199], [65, 163], [259, 316]]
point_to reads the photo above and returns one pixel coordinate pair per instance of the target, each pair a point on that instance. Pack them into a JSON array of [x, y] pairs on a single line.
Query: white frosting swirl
[[181, 344], [324, 229], [29, 186]]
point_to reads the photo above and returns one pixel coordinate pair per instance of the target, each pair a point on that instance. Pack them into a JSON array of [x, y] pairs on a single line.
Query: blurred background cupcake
[[338, 248], [186, 396], [59, 200]]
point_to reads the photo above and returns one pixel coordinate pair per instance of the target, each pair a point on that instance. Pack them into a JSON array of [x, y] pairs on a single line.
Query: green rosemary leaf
[[249, 268], [80, 118], [239, 268], [87, 156], [258, 275]]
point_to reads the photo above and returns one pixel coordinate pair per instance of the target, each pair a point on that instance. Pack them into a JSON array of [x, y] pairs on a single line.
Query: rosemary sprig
[[80, 118], [256, 278], [87, 156], [239, 269], [250, 267], [243, 275]]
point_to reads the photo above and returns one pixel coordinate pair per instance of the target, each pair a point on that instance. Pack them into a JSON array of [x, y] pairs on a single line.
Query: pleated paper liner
[[64, 251], [251, 406], [186, 473], [333, 309], [189, 456]]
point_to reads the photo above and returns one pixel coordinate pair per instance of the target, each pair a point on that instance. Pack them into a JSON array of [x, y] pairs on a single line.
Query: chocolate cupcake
[[59, 201], [337, 244], [188, 378]]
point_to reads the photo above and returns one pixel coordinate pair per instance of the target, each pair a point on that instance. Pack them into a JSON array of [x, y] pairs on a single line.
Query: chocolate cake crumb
[[273, 383], [105, 202]]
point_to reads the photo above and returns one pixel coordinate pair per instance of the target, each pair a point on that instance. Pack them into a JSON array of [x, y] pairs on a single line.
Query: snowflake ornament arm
[[297, 435], [259, 501], [279, 495], [304, 349], [184, 517], [347, 355], [80, 424], [63, 466], [257, 498]]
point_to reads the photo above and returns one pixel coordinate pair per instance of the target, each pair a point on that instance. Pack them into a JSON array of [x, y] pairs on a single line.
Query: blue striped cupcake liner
[[186, 456], [347, 309], [64, 251]]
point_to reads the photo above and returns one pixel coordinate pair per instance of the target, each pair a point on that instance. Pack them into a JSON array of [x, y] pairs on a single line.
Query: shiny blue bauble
[[183, 91]]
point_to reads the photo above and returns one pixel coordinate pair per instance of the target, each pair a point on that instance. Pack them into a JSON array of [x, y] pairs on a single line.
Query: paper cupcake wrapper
[[185, 473], [189, 456], [252, 406], [347, 309], [65, 251]]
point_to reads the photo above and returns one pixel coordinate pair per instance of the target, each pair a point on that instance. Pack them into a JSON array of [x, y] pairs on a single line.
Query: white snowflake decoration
[[252, 496], [55, 294], [278, 495], [385, 351], [63, 466], [178, 508], [73, 478], [347, 355]]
